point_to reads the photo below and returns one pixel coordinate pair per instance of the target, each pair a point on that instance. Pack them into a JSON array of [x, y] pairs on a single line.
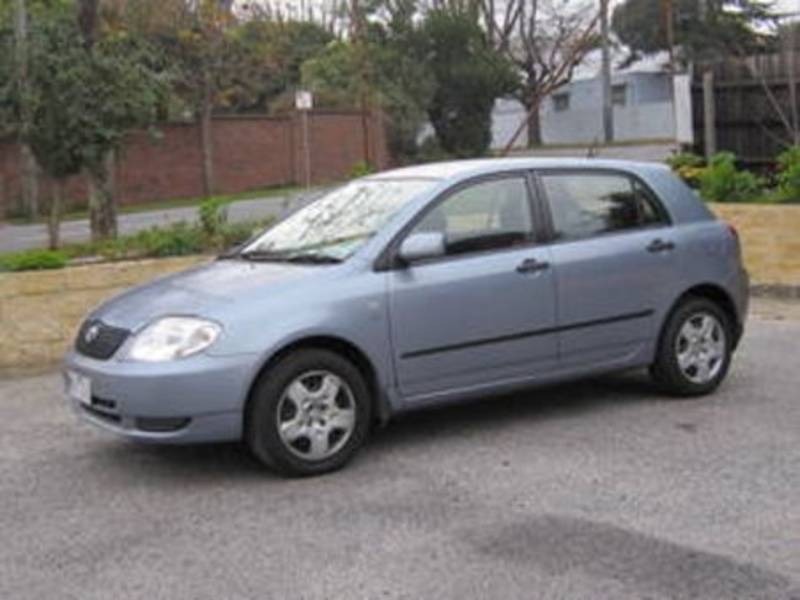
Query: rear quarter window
[[584, 205]]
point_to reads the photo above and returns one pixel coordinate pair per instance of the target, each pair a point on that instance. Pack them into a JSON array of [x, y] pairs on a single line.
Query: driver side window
[[489, 215]]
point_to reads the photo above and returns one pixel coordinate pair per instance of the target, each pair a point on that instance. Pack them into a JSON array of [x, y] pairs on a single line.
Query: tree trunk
[[102, 200], [534, 128], [54, 220], [29, 169], [206, 140]]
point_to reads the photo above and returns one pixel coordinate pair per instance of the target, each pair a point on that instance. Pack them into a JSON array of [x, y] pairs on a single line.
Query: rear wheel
[[308, 414], [695, 348]]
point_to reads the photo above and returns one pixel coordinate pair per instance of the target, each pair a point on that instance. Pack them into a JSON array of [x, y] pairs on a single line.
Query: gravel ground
[[600, 489]]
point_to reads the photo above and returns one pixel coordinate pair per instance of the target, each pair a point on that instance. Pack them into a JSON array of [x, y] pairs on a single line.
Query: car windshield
[[335, 226]]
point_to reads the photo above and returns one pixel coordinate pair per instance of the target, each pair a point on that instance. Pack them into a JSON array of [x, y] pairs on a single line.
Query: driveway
[[601, 489], [23, 237]]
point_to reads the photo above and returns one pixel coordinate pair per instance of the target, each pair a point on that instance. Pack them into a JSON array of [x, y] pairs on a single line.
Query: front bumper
[[199, 399]]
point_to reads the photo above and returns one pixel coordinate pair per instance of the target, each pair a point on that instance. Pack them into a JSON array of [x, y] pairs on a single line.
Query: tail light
[[733, 231]]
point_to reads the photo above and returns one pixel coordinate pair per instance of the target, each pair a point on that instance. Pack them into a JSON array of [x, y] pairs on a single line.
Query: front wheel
[[308, 414], [695, 348]]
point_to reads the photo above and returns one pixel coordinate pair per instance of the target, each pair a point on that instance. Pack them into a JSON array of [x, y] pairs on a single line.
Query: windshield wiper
[[262, 256], [313, 258], [307, 257]]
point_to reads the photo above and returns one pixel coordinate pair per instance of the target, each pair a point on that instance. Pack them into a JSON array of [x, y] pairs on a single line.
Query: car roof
[[459, 169], [679, 200]]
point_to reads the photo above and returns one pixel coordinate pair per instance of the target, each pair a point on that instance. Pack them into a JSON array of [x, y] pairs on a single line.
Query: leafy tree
[[389, 66], [469, 77], [221, 63], [195, 36], [52, 98], [703, 31], [332, 75], [435, 65], [270, 55], [80, 103], [404, 75]]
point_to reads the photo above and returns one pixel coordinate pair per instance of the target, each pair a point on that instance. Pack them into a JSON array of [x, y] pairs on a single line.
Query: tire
[[294, 427], [684, 367]]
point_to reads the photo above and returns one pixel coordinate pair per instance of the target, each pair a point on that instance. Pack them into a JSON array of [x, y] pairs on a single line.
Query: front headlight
[[173, 337]]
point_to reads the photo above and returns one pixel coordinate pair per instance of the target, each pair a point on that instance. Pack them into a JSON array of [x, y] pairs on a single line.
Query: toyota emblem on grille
[[91, 334]]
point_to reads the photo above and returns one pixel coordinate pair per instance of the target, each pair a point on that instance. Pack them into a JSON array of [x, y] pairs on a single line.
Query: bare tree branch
[[546, 41]]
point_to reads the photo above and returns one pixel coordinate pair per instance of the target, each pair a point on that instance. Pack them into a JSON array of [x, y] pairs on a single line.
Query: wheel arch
[[381, 407], [715, 293]]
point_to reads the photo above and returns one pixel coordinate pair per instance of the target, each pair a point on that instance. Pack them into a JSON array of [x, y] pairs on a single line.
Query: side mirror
[[419, 246]]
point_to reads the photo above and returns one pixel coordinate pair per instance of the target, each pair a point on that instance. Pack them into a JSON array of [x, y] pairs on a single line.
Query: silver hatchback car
[[415, 287]]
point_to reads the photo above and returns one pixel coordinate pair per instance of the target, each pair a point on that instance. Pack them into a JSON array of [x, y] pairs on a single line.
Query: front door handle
[[659, 245], [531, 265]]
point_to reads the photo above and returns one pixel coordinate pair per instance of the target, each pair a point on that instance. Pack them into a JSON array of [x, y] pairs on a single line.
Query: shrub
[[431, 151], [31, 260], [175, 240], [179, 239], [689, 166], [237, 233], [722, 181], [361, 169], [789, 174], [213, 216]]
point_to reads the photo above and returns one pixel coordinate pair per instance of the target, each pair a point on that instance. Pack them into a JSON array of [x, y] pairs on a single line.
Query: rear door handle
[[531, 265], [659, 245]]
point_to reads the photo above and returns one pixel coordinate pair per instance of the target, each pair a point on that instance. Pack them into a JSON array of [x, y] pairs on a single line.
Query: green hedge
[[33, 260]]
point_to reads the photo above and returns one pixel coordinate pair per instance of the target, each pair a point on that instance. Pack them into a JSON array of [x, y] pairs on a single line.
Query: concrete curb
[[776, 291]]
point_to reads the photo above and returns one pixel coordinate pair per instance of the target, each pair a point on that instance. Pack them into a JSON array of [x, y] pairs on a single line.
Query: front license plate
[[79, 387]]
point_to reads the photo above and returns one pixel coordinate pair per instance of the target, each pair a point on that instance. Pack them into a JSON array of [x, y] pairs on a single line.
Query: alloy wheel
[[316, 415], [700, 347]]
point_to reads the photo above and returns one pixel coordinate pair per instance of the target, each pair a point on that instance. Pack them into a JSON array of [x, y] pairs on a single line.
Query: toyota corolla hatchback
[[416, 287]]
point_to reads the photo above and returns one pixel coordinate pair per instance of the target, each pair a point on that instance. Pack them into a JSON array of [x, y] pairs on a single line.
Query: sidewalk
[[23, 237]]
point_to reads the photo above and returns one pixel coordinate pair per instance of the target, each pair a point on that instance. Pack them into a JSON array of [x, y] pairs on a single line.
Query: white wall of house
[[643, 110]]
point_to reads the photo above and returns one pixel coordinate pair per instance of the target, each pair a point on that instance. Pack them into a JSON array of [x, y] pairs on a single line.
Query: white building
[[645, 109]]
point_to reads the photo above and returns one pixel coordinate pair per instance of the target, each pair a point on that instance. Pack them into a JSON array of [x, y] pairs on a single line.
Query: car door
[[612, 249], [485, 311]]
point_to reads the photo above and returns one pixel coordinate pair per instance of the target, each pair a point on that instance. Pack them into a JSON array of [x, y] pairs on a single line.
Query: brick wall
[[249, 152]]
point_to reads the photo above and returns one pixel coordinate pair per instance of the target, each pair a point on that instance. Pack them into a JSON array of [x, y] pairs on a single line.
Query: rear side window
[[588, 204]]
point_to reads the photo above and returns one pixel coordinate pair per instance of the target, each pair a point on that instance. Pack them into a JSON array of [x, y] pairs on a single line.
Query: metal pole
[[709, 102], [669, 26], [709, 113], [608, 108], [306, 148]]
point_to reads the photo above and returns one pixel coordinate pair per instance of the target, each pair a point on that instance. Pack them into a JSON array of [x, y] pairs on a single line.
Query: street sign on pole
[[304, 102]]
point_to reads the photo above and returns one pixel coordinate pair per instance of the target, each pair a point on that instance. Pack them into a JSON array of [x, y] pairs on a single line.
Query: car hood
[[207, 290]]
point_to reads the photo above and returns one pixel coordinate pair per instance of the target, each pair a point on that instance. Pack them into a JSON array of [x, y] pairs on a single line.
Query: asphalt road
[[601, 489], [23, 237]]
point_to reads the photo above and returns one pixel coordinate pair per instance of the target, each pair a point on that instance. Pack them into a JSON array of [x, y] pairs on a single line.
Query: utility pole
[[669, 26], [709, 102], [608, 108], [30, 170]]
